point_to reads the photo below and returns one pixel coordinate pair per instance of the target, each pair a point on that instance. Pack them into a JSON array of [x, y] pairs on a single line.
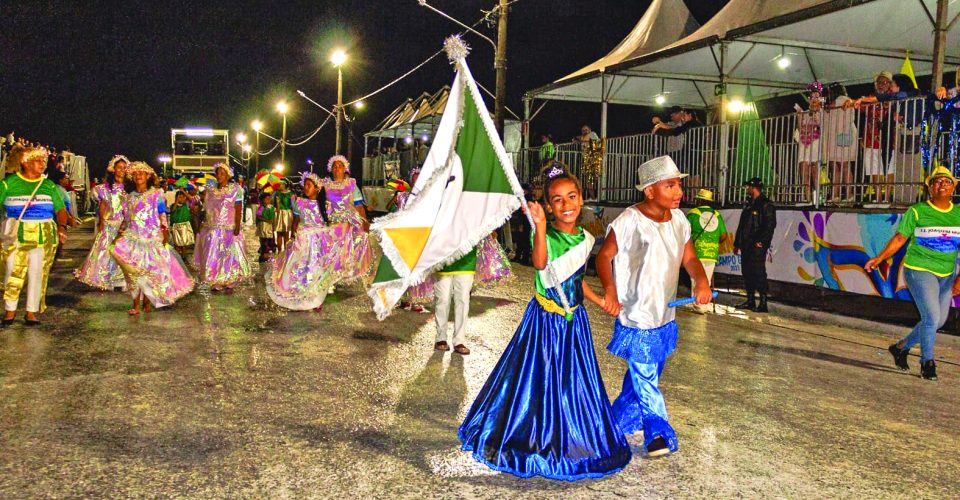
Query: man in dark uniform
[[754, 234]]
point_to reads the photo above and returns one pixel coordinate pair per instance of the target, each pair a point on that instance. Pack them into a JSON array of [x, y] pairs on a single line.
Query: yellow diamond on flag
[[410, 242]]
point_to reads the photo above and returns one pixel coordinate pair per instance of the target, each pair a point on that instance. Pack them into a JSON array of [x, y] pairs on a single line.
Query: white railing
[[866, 155]]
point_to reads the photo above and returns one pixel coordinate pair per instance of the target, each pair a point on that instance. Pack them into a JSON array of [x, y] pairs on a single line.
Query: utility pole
[[939, 44], [500, 65]]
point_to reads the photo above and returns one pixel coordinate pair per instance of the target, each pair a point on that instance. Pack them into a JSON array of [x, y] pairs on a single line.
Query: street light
[[257, 125], [241, 138], [164, 159], [338, 58], [359, 105], [282, 107], [278, 167]]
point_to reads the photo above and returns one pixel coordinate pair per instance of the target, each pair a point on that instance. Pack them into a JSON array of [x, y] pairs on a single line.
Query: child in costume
[[346, 205], [639, 266], [153, 270], [283, 203], [181, 232], [301, 275], [544, 409], [100, 269], [419, 295], [266, 214], [493, 265], [220, 255]]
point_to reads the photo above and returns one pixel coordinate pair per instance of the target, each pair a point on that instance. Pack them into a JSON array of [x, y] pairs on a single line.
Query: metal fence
[[836, 156]]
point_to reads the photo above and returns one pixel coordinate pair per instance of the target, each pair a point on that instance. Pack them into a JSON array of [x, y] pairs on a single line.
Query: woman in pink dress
[[152, 268], [220, 256], [345, 205], [100, 270]]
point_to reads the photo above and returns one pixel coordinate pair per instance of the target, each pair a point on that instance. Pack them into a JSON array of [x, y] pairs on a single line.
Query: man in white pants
[[454, 281], [707, 231]]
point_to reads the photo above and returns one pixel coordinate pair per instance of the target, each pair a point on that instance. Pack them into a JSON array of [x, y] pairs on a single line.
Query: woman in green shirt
[[933, 230]]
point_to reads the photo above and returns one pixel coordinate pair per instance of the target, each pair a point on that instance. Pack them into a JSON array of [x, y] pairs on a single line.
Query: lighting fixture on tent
[[736, 105], [783, 62], [660, 99]]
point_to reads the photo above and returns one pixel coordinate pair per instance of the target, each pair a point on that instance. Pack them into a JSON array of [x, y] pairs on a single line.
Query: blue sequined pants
[[640, 405]]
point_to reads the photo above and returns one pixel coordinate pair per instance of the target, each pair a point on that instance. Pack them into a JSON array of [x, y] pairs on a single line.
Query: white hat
[[658, 169]]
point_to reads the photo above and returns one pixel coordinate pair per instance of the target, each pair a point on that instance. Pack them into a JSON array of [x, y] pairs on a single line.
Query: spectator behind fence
[[547, 150], [875, 162], [840, 137], [903, 122], [807, 134], [586, 135]]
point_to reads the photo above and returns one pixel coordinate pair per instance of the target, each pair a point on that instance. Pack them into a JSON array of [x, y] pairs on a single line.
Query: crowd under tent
[[774, 47]]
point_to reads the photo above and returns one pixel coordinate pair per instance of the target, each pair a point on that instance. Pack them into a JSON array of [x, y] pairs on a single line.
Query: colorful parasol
[[205, 180], [181, 182], [398, 185], [269, 181]]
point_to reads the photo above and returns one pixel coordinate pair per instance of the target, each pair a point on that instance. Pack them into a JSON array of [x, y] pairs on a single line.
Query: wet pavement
[[227, 395]]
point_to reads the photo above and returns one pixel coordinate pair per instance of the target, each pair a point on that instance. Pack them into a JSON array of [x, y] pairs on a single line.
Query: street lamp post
[[164, 159], [256, 126], [338, 58], [282, 107]]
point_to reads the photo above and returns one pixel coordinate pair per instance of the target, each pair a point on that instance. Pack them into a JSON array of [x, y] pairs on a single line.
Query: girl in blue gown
[[544, 410]]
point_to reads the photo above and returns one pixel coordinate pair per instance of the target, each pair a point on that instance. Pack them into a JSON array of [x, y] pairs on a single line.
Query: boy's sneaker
[[929, 370], [899, 357], [658, 448]]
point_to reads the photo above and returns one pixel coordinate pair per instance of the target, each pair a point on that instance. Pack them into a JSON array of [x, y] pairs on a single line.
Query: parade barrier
[[818, 248], [834, 157]]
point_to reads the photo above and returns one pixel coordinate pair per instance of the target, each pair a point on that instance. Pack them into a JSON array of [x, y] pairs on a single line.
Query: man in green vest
[[707, 231]]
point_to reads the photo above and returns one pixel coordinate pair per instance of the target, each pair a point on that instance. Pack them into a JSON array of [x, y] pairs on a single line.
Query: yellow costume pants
[[29, 260]]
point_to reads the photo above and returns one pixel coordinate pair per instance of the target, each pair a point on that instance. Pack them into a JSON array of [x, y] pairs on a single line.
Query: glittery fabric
[[493, 266], [355, 253], [284, 221], [643, 345], [220, 256], [300, 277], [35, 235], [100, 270], [181, 234], [151, 268]]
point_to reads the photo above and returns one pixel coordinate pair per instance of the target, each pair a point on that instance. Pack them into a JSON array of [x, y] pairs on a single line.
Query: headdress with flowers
[[815, 86], [223, 165], [312, 177], [338, 158], [31, 154], [116, 159], [139, 166]]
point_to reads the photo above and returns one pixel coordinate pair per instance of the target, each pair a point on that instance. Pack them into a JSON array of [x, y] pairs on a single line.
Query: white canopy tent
[[846, 41]]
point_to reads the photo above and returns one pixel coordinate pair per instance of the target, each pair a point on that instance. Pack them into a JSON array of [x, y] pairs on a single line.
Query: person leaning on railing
[[932, 228]]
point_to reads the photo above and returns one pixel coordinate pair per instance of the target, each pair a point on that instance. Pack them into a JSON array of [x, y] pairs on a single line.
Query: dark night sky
[[115, 77]]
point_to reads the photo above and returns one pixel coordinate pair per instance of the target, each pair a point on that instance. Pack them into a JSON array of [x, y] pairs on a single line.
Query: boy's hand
[[611, 305], [703, 293]]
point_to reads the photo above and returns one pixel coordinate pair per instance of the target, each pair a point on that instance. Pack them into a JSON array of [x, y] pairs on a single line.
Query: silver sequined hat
[[658, 169]]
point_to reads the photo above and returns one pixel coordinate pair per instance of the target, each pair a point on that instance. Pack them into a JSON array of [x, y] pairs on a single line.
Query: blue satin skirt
[[544, 410]]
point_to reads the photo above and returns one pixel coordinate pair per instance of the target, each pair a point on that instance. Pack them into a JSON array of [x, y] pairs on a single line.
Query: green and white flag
[[466, 189]]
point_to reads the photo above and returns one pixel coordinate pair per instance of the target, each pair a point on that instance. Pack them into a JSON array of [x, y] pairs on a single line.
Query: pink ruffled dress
[[100, 270], [220, 256]]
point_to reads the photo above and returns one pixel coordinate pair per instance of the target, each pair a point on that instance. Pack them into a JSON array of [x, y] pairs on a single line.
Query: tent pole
[[723, 180], [939, 44], [602, 181]]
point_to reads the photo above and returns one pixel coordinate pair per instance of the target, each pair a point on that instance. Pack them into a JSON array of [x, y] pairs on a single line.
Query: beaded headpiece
[[139, 166], [554, 171], [113, 162], [31, 154], [225, 166], [338, 158], [312, 177], [815, 87]]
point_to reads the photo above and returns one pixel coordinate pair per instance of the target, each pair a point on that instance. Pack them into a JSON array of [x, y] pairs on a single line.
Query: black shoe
[[929, 370], [762, 305], [31, 322], [748, 304], [658, 448], [6, 322], [899, 357]]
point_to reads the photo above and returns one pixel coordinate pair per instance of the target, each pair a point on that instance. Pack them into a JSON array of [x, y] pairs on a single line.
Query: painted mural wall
[[819, 248]]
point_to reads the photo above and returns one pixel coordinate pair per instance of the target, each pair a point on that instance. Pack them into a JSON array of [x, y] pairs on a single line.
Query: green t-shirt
[[181, 213], [706, 228], [267, 214], [465, 265], [284, 200], [934, 237]]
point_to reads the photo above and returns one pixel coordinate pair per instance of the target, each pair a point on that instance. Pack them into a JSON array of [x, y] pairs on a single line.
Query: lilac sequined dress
[[493, 266], [220, 256], [151, 267], [100, 269], [355, 257], [421, 294], [300, 277]]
